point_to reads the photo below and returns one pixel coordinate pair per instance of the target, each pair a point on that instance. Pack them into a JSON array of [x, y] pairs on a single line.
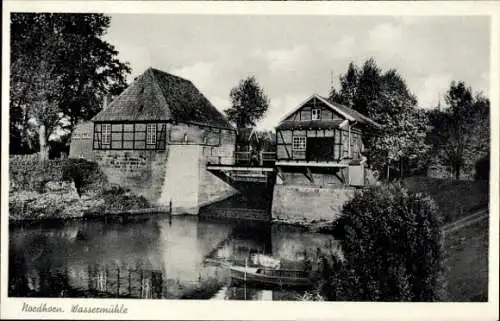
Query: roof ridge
[[159, 92], [168, 74]]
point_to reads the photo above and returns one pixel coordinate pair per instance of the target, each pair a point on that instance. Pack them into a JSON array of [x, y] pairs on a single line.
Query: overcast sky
[[293, 57]]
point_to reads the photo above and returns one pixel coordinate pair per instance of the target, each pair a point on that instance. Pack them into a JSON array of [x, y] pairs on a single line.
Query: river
[[152, 257]]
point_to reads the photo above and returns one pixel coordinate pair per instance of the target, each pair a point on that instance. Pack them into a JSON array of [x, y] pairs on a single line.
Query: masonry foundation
[[299, 203]]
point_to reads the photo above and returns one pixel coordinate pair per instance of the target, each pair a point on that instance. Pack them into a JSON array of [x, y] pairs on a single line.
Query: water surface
[[176, 248]]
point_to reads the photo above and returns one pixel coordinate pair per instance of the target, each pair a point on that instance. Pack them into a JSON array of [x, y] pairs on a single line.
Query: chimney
[[105, 102]]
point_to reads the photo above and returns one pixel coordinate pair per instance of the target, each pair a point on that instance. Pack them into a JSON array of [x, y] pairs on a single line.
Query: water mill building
[[156, 139], [319, 158]]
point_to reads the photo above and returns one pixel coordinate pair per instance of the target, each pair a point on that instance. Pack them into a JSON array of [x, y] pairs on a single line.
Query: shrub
[[87, 176], [391, 243], [117, 198], [27, 173], [483, 168]]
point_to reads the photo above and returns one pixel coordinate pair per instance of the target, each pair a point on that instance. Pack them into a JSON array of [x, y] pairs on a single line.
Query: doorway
[[320, 149]]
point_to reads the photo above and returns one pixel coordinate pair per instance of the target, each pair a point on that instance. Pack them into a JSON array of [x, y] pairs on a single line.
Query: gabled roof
[[159, 96], [348, 113]]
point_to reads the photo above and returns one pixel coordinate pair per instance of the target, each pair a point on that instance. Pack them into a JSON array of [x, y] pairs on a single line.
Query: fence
[[262, 158]]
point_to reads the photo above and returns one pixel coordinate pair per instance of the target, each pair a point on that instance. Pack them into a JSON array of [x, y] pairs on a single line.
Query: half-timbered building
[[323, 140], [156, 139], [319, 159]]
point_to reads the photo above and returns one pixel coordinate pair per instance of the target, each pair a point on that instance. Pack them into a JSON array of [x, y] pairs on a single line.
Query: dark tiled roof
[[159, 96], [309, 124]]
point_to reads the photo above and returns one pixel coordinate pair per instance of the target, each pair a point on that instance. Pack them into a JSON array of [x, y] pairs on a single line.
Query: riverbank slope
[[63, 189]]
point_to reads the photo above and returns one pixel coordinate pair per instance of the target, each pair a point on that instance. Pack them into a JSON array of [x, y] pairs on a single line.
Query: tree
[[460, 135], [60, 71], [249, 103], [391, 244], [384, 97], [349, 82]]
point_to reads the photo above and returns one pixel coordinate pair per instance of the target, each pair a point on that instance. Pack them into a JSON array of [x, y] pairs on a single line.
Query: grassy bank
[[455, 198], [466, 252], [60, 189]]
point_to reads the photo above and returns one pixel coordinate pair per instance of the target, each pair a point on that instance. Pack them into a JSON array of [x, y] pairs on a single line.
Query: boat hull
[[250, 275]]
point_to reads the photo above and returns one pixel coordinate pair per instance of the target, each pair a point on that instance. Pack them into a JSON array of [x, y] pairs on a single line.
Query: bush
[[391, 243], [87, 176], [117, 198], [483, 168]]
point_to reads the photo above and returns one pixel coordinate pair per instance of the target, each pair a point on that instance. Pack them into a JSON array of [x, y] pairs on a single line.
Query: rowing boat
[[271, 277]]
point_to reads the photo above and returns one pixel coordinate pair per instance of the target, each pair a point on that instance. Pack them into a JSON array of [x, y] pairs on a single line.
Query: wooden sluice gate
[[239, 173]]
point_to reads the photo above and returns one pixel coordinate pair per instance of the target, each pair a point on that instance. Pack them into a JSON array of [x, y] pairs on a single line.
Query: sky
[[293, 57]]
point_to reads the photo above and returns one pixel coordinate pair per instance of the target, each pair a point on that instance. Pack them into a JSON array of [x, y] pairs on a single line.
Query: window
[[106, 134], [151, 134], [299, 143], [137, 136], [316, 114]]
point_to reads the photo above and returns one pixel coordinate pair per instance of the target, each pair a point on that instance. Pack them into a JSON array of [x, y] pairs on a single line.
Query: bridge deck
[[241, 168]]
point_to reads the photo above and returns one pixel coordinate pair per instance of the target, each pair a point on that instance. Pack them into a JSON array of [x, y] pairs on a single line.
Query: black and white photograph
[[154, 156]]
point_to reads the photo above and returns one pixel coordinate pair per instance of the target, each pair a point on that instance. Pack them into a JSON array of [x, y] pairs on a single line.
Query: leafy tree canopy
[[60, 69], [249, 103], [460, 135], [384, 97]]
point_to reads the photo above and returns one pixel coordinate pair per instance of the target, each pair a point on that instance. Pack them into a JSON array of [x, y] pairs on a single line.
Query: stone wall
[[188, 184], [293, 202], [143, 172], [81, 141], [212, 188], [182, 181]]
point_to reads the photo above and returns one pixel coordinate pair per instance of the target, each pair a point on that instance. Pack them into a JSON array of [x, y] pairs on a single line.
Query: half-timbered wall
[[155, 136], [306, 112], [290, 143], [130, 136]]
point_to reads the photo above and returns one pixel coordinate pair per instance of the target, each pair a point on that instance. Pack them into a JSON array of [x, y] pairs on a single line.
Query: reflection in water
[[136, 258]]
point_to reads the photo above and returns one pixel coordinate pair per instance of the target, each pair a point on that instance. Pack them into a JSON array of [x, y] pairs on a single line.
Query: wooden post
[[106, 278], [349, 141], [129, 283], [142, 280], [160, 294], [170, 213], [117, 281], [89, 280]]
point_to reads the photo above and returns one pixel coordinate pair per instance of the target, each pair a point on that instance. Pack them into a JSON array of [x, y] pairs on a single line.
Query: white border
[[231, 310]]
